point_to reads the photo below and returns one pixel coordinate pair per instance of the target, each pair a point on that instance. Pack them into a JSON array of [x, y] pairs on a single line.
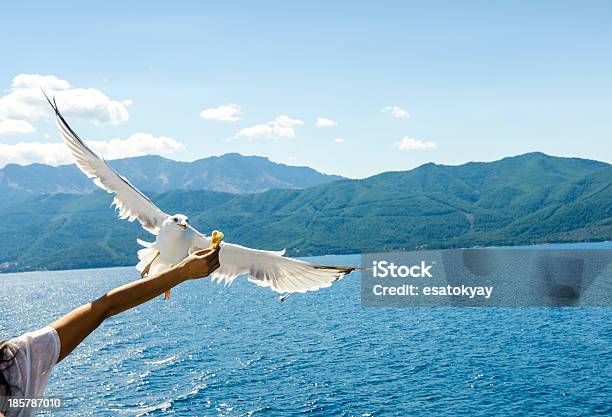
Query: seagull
[[175, 238]]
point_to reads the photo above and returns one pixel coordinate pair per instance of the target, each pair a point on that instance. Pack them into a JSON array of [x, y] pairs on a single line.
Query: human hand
[[199, 264]]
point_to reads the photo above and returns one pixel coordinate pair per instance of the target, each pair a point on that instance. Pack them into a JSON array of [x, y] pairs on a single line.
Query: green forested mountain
[[525, 199]]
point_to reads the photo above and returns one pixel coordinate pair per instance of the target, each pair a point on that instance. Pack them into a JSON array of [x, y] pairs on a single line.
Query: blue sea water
[[238, 351]]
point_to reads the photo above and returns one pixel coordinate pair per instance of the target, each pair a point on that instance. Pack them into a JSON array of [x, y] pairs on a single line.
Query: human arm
[[75, 326]]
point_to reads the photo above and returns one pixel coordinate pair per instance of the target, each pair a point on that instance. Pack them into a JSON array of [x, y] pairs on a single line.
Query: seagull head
[[178, 220]]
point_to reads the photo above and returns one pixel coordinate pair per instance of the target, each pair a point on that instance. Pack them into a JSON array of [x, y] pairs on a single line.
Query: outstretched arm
[[80, 322]]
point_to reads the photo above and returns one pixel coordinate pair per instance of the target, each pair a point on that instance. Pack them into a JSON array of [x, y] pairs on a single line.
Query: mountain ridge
[[230, 172], [526, 199]]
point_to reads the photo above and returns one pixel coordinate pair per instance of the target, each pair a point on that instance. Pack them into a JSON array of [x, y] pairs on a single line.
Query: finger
[[212, 254]]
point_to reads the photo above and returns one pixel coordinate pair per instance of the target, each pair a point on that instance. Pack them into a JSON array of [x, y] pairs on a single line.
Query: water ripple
[[237, 351]]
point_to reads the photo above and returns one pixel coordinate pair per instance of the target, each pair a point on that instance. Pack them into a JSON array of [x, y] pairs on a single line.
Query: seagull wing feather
[[129, 201], [271, 269]]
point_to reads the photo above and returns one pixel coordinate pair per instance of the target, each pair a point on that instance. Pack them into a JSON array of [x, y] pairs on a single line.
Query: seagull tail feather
[[146, 256], [144, 243]]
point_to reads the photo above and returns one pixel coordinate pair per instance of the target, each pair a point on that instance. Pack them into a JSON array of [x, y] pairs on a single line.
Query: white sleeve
[[35, 354]]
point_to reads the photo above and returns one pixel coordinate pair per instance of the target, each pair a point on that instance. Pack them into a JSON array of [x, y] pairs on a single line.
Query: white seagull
[[176, 239]]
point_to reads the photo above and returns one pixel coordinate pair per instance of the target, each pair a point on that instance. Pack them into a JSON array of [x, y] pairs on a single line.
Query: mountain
[[531, 198], [232, 173]]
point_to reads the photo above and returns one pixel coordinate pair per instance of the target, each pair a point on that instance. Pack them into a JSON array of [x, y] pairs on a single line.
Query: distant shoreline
[[605, 244]]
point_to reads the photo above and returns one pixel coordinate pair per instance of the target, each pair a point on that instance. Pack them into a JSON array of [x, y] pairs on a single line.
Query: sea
[[238, 351]]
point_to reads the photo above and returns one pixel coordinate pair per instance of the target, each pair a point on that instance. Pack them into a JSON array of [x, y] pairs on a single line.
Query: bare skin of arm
[[80, 322]]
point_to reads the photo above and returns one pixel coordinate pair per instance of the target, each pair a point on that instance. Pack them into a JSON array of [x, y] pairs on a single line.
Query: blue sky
[[479, 80]]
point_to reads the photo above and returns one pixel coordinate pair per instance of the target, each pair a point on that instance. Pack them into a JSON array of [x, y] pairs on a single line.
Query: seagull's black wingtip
[[52, 104]]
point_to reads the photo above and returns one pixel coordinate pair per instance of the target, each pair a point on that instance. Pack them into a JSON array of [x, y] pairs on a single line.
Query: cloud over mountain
[[25, 104], [282, 127], [137, 144], [323, 122], [224, 113], [396, 112], [410, 144]]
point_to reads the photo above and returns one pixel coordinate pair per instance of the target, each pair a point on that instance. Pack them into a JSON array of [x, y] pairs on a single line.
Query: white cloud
[[58, 153], [26, 103], [13, 127], [339, 140], [282, 127], [323, 122], [137, 144], [93, 105], [396, 112], [224, 113], [48, 82], [410, 144], [25, 153]]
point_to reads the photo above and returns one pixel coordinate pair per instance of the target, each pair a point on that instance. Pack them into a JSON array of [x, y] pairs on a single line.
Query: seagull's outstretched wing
[[131, 203], [272, 269]]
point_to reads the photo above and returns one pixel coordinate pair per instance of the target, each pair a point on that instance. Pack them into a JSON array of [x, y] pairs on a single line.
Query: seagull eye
[[175, 220]]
